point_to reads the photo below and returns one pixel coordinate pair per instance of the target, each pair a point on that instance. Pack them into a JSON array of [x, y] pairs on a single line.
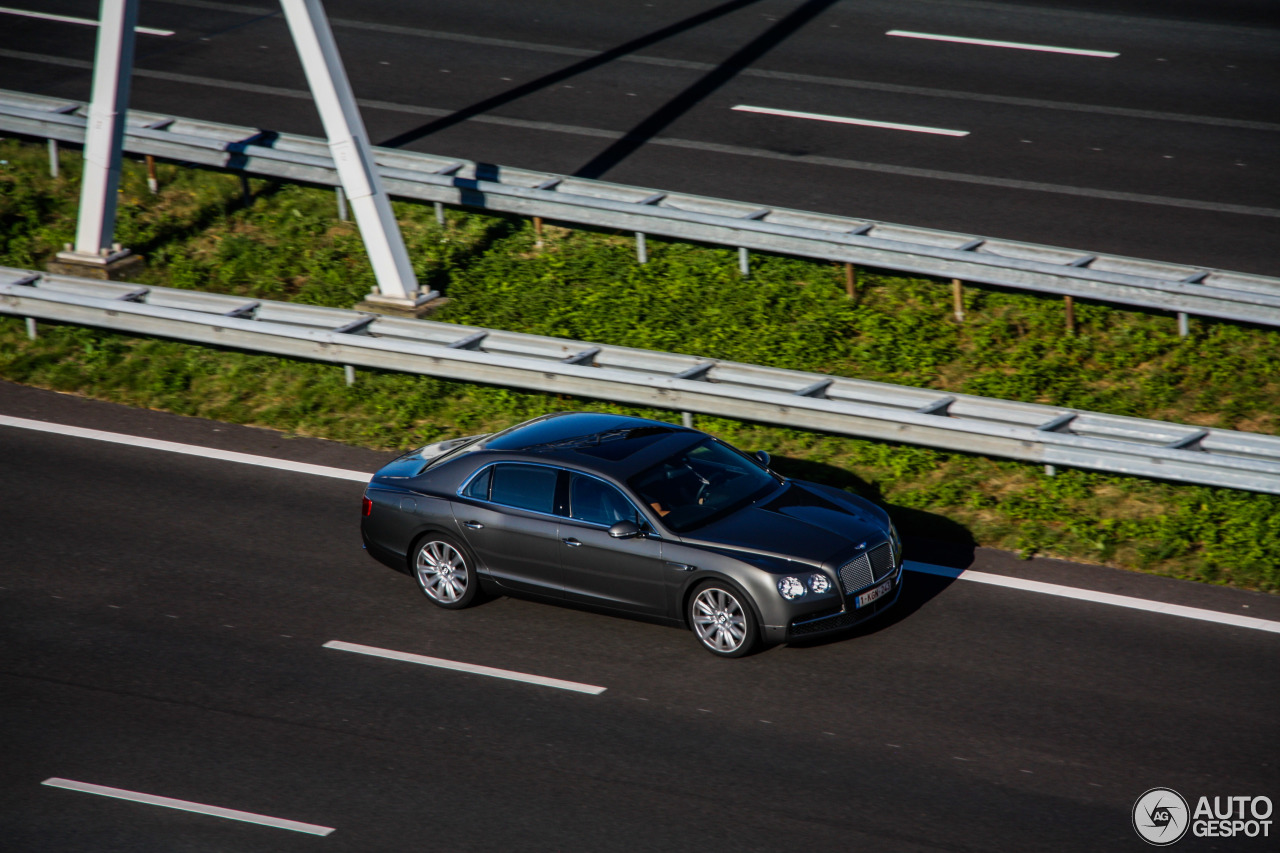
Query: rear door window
[[531, 487]]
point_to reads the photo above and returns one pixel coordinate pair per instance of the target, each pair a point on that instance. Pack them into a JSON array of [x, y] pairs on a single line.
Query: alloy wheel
[[719, 621], [442, 572]]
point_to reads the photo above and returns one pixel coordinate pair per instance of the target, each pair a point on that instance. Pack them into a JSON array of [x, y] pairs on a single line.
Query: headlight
[[819, 583], [896, 542], [791, 588]]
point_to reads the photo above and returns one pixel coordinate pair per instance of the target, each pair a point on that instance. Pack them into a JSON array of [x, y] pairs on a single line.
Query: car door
[[506, 514], [628, 574]]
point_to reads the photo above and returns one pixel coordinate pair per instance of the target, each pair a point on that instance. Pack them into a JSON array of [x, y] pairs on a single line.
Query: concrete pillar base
[[113, 266], [422, 306]]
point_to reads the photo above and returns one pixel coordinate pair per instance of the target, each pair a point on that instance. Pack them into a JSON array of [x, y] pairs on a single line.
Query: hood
[[803, 522]]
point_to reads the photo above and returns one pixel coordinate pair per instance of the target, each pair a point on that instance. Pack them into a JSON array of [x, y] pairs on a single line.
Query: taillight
[[367, 509]]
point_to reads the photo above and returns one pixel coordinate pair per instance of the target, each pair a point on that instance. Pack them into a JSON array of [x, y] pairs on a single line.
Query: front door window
[[598, 502]]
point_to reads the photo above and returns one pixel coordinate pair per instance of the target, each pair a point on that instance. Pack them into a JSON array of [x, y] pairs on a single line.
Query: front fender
[[749, 595]]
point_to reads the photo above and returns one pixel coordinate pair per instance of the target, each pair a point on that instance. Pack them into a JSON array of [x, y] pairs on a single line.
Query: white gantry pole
[[108, 104], [352, 153]]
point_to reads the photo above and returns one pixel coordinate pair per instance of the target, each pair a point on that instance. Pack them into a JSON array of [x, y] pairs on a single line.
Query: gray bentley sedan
[[637, 517]]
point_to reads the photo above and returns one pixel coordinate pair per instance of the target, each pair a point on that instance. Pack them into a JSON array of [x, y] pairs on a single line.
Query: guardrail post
[[744, 263], [957, 299], [53, 158], [341, 196], [1184, 327], [537, 231], [31, 328], [1070, 304], [153, 183], [94, 252], [440, 214], [353, 155], [642, 249], [1051, 470], [850, 281], [686, 418], [349, 372]]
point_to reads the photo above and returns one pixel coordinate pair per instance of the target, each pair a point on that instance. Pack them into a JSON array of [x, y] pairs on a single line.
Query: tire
[[445, 571], [722, 619]]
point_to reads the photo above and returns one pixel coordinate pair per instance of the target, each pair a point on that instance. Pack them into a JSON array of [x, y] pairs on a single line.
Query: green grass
[[289, 245]]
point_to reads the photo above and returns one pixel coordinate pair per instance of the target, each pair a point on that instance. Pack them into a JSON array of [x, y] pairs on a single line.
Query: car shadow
[[926, 537]]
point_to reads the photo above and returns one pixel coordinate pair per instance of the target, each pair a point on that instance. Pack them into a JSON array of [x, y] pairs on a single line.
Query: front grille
[[866, 569], [856, 573], [881, 561]]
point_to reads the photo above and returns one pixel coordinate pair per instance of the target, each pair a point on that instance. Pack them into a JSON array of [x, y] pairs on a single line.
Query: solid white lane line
[[1097, 597], [67, 19], [1015, 45], [363, 477], [183, 805], [465, 667], [914, 128], [187, 449]]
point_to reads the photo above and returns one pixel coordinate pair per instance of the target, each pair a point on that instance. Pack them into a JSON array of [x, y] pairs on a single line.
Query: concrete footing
[[114, 266], [422, 306]]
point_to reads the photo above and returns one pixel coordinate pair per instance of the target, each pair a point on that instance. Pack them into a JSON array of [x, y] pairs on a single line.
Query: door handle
[[474, 525], [571, 542]]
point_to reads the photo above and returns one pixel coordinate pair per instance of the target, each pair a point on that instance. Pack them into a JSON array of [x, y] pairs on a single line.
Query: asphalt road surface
[[1153, 135], [164, 620]]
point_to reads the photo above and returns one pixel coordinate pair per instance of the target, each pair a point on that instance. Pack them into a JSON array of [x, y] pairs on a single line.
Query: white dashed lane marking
[[67, 19], [471, 668], [186, 806], [1014, 45], [861, 122]]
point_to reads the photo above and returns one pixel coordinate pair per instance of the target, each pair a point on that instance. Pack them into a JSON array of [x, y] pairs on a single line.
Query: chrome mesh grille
[[856, 573], [881, 560], [866, 569]]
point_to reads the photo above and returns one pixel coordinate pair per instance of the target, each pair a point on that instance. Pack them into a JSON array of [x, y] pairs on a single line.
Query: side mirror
[[624, 530], [763, 456]]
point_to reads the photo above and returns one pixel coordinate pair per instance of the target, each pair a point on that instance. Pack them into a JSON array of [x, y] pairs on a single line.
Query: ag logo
[[1161, 817]]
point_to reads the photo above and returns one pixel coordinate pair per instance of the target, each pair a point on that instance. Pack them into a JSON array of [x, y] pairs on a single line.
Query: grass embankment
[[289, 245]]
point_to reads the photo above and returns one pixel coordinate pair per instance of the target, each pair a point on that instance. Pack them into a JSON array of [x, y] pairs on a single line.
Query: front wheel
[[444, 572], [722, 620]]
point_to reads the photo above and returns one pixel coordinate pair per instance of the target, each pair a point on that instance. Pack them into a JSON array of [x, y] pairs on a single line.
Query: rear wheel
[[444, 572], [723, 621]]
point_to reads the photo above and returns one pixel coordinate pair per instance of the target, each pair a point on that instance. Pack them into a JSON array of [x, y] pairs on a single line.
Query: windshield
[[706, 481]]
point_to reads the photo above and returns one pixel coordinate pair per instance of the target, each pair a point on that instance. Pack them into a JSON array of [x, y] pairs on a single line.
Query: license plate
[[871, 595]]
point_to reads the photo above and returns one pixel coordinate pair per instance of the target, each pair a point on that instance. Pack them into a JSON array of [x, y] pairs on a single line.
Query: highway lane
[[1165, 151], [164, 621]]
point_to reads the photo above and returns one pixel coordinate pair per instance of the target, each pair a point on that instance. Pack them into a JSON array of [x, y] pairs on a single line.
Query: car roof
[[618, 445]]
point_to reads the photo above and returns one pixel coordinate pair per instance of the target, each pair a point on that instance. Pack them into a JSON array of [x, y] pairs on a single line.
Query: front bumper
[[820, 625]]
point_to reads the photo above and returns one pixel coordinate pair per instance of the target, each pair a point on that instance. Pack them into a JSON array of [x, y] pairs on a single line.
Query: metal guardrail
[[1106, 278], [1043, 434]]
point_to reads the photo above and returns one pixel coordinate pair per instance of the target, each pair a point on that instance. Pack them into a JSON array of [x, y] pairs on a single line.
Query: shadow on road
[[661, 118], [517, 92], [926, 537]]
